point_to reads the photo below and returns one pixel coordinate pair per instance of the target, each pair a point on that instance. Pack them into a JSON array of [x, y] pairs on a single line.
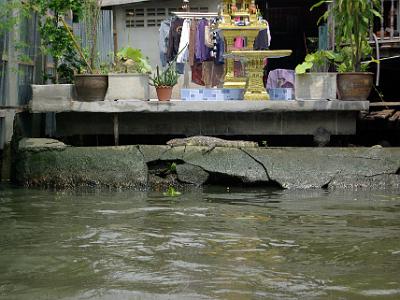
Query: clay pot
[[91, 88], [354, 86], [164, 93]]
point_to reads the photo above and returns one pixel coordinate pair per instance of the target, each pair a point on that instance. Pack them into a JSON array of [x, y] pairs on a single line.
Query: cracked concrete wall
[[44, 162]]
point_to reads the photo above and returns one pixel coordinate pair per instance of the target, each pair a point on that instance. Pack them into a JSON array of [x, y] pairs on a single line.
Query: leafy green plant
[[344, 59], [172, 168], [11, 14], [131, 60], [318, 61], [167, 78], [353, 19], [172, 192], [56, 40]]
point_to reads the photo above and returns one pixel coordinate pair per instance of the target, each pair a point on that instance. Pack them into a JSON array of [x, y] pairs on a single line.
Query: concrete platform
[[201, 106], [217, 118]]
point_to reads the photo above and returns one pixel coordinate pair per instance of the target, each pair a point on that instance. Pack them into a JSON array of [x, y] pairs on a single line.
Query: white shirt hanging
[[184, 42]]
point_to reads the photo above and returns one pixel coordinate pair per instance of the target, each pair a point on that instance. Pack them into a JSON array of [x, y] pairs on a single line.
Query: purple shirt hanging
[[202, 51]]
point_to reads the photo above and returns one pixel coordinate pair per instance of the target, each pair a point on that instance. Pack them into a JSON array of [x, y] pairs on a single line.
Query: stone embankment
[[50, 163]]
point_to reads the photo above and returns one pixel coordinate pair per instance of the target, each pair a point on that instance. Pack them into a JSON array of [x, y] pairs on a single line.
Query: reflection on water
[[241, 244]]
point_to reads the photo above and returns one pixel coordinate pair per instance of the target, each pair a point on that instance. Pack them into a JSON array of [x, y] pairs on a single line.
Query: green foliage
[[172, 192], [168, 77], [11, 14], [130, 60], [172, 168], [353, 19], [56, 40], [318, 61], [344, 59]]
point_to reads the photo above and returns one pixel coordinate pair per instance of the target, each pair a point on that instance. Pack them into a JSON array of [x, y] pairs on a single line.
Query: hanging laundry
[[213, 74], [263, 40], [220, 44], [197, 73], [218, 49], [163, 41], [174, 38], [183, 52], [202, 51], [192, 42], [208, 36]]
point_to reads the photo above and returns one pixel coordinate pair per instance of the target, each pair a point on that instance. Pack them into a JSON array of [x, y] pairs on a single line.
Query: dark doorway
[[293, 27]]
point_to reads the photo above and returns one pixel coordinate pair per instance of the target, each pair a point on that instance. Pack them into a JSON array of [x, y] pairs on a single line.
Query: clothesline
[[195, 15], [194, 43]]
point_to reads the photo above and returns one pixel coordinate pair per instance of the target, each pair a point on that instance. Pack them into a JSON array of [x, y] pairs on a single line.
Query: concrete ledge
[[218, 106], [291, 168], [41, 104]]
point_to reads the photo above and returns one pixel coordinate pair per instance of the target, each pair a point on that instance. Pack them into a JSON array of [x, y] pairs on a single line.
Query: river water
[[211, 244]]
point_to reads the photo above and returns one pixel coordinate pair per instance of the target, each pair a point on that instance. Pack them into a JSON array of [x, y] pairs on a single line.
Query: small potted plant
[[353, 19], [130, 77], [164, 81], [313, 79]]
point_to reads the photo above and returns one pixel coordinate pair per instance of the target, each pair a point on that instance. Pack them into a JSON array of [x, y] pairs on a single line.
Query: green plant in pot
[[313, 79], [91, 82], [130, 76], [164, 81], [318, 61], [131, 60], [353, 19]]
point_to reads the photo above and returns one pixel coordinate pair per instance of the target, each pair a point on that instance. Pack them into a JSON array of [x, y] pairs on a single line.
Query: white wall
[[147, 38]]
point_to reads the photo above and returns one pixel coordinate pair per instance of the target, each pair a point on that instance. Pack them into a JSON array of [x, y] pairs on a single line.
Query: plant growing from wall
[[353, 20]]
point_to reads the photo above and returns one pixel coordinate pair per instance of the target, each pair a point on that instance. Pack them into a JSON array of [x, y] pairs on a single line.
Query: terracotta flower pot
[[354, 86], [164, 93]]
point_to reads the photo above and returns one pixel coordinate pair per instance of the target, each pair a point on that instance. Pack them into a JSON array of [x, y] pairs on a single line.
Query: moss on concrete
[[48, 163]]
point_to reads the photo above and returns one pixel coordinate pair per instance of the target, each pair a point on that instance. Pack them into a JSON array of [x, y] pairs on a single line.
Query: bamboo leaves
[[353, 19]]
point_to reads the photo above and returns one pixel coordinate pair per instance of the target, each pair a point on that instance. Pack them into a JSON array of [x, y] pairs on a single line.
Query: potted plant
[[130, 77], [313, 79], [91, 82], [353, 19], [165, 81]]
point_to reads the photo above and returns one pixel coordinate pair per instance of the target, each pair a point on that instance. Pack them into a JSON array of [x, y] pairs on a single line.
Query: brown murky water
[[242, 244]]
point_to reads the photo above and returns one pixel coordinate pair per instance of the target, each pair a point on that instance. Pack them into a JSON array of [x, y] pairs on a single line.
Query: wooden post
[[392, 14], [382, 20], [116, 129]]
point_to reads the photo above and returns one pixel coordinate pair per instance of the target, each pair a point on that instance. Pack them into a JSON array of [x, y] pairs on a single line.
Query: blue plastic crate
[[211, 94], [281, 94]]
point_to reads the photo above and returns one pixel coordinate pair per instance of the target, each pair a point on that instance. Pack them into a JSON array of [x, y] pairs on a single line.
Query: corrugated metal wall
[[105, 43], [19, 50]]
